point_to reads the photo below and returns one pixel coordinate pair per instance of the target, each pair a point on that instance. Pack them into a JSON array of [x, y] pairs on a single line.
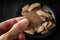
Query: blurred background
[[12, 8]]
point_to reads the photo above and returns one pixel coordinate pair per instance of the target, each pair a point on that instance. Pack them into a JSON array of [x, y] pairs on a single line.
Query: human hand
[[12, 29]]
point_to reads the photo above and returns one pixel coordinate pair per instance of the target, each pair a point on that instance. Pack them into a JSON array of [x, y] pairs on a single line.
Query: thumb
[[15, 30], [19, 27]]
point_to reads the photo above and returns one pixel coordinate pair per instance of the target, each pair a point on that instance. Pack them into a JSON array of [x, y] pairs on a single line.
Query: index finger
[[6, 25]]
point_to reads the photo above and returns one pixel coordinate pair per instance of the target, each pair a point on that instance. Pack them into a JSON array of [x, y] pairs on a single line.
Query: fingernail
[[24, 22], [21, 36], [19, 18]]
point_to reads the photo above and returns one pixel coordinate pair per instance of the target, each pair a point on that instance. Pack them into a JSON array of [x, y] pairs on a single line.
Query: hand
[[12, 29]]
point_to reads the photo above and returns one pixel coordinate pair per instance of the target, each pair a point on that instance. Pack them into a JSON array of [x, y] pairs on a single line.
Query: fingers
[[21, 36], [6, 25], [15, 30], [19, 27]]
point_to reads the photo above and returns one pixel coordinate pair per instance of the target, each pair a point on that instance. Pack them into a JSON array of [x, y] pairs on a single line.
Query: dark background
[[12, 8]]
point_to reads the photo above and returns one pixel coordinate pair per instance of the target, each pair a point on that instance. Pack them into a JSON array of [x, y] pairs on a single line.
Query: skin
[[7, 26]]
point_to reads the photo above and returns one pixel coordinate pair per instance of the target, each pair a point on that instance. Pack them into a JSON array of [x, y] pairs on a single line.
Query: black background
[[12, 8]]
